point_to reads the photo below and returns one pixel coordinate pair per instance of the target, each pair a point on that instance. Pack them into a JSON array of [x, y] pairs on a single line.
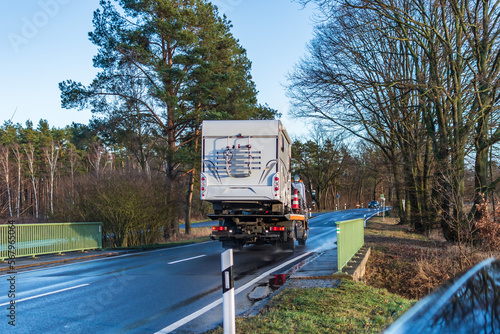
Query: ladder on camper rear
[[238, 160]]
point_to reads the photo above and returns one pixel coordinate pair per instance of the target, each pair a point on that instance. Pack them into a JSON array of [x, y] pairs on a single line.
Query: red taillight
[[219, 228], [277, 228], [203, 186], [276, 184]]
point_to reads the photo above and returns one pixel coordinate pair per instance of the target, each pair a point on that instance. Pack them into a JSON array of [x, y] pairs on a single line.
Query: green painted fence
[[350, 239], [37, 239]]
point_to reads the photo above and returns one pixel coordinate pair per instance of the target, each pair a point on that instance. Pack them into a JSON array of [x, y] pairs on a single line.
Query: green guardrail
[[38, 239], [350, 239]]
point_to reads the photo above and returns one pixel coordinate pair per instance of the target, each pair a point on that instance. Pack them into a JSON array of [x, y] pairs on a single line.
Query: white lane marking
[[188, 259], [46, 294], [108, 258], [210, 306]]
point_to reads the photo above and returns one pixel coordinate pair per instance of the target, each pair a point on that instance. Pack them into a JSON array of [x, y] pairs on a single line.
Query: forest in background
[[75, 174]]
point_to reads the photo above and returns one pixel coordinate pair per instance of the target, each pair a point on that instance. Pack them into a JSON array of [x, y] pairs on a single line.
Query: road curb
[[73, 259], [102, 254], [292, 282], [357, 266]]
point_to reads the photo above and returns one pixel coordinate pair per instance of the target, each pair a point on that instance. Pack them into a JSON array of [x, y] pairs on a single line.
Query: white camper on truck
[[246, 176]]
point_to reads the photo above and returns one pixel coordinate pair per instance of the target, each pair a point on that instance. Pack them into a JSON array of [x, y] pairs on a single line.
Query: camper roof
[[244, 128]]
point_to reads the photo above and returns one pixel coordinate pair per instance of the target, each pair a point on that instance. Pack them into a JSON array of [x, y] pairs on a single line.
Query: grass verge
[[349, 308]]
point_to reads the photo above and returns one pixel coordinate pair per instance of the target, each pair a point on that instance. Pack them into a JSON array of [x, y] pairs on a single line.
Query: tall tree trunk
[[17, 155], [52, 156], [189, 196], [4, 160], [403, 218], [189, 202], [72, 160], [30, 154]]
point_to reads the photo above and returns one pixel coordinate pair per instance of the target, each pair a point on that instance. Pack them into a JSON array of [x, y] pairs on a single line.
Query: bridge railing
[[350, 239], [38, 239]]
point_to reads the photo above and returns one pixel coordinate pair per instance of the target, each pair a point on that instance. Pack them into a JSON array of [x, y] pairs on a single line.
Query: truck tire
[[290, 242], [302, 241]]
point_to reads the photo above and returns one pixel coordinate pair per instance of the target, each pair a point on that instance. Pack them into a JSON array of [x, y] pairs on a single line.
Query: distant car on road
[[374, 205]]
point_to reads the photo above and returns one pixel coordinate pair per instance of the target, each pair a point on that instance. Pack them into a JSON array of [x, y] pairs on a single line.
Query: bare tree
[[73, 158], [361, 77], [95, 157], [5, 163], [18, 157], [29, 149], [52, 155], [420, 80], [319, 162]]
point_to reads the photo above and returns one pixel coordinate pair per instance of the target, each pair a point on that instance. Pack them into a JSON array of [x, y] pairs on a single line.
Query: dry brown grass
[[196, 232], [410, 264]]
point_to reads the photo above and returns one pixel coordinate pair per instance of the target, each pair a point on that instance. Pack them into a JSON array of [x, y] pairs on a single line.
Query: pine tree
[[166, 66]]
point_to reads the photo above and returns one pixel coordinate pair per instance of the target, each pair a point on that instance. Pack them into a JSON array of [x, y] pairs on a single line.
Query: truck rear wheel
[[291, 240], [302, 240]]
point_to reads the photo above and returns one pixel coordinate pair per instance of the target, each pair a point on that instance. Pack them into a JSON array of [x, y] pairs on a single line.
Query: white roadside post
[[228, 292], [382, 197]]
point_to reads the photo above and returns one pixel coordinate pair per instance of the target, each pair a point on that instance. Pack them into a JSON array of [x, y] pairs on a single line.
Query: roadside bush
[[404, 263], [489, 229], [132, 207]]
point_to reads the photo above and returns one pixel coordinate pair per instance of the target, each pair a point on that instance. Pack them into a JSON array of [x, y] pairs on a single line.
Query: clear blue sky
[[44, 42]]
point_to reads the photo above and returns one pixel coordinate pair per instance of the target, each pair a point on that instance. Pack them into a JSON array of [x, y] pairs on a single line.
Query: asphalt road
[[169, 290]]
